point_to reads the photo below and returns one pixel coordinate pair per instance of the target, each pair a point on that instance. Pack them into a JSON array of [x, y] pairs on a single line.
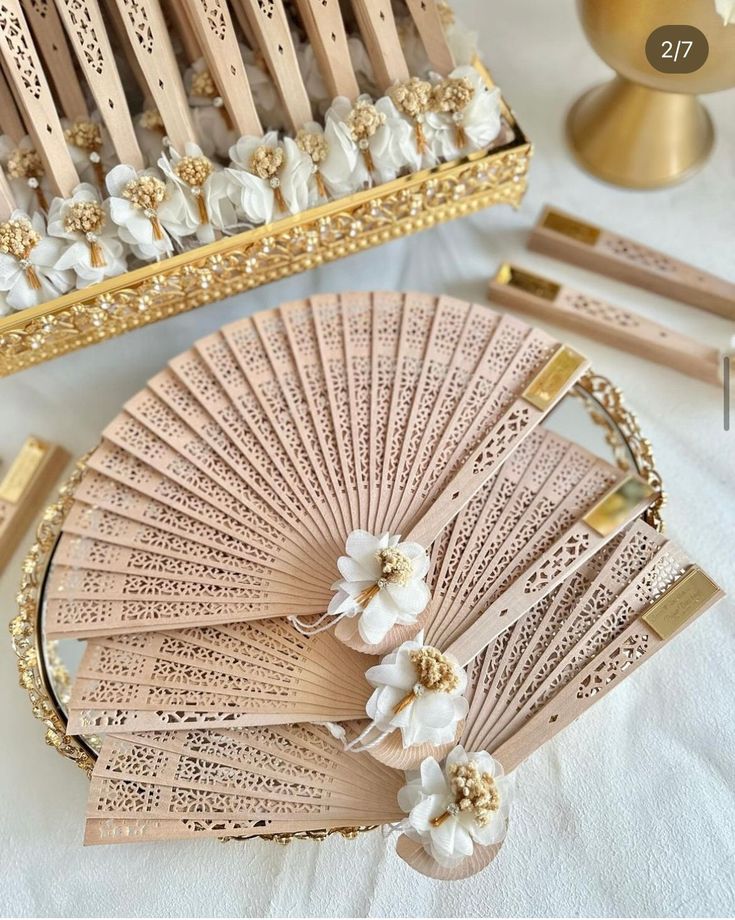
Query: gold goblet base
[[637, 137]]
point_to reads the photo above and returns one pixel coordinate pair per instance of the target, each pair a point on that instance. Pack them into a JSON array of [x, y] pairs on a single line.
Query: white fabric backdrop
[[631, 811]]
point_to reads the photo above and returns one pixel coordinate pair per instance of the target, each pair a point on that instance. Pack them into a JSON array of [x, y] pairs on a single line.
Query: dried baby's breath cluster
[[363, 121], [17, 238], [266, 161], [151, 120], [84, 134], [202, 84], [145, 193], [474, 791], [194, 170], [87, 217], [25, 163], [395, 567], [434, 671], [314, 145], [413, 98], [453, 95]]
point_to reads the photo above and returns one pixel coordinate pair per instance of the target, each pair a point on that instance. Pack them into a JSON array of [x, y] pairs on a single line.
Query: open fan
[[485, 567], [567, 652], [266, 448]]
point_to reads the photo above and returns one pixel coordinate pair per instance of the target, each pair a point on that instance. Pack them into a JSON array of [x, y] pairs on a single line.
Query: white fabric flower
[[150, 233], [215, 134], [182, 206], [391, 147], [726, 9], [257, 198], [443, 819], [80, 255], [90, 164], [31, 278], [382, 583], [480, 120], [344, 169], [426, 714], [29, 193]]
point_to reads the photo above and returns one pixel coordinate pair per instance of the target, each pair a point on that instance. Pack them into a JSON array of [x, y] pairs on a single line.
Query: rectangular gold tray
[[255, 257]]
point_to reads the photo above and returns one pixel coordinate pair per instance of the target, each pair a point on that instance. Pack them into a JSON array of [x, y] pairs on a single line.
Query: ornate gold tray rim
[[263, 254], [601, 399]]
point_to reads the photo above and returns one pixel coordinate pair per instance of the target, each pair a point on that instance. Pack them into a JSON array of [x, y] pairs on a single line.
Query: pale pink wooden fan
[[589, 634], [276, 438], [211, 673]]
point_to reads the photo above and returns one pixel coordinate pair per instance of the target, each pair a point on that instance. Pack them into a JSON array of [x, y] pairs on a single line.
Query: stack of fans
[[332, 571]]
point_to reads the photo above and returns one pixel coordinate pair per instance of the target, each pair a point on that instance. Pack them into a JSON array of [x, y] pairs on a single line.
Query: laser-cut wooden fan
[[265, 672], [287, 431], [571, 649]]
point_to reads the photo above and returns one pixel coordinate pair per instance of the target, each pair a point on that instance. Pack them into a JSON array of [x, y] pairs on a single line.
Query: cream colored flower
[[198, 194], [28, 257], [269, 178], [383, 583], [92, 250], [466, 115], [454, 807], [418, 691]]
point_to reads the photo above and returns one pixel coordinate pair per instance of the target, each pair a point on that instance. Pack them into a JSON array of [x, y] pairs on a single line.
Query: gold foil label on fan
[[526, 281], [569, 226], [555, 378], [683, 600], [22, 470], [615, 508]]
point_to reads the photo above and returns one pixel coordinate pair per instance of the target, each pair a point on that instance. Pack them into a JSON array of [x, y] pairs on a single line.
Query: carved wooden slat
[[88, 36], [11, 123], [216, 34], [325, 28], [378, 28], [48, 33], [33, 95], [425, 14], [119, 40], [269, 23], [148, 35]]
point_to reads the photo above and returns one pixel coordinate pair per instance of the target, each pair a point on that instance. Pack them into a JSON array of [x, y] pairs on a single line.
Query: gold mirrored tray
[[593, 414]]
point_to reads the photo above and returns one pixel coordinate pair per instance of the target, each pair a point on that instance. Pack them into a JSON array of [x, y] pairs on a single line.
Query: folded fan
[[275, 439], [584, 639]]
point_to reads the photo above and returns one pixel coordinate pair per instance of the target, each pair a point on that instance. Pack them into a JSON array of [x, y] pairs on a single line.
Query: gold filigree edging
[[602, 400]]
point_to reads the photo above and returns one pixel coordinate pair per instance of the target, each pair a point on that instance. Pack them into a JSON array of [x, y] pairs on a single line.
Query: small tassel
[[405, 702], [157, 229], [368, 158], [460, 136], [32, 278], [364, 597], [280, 200], [96, 257], [202, 205], [438, 821], [421, 144], [41, 198], [99, 173], [320, 184]]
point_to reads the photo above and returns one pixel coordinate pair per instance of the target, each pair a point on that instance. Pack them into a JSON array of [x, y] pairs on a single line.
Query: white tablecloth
[[630, 811]]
